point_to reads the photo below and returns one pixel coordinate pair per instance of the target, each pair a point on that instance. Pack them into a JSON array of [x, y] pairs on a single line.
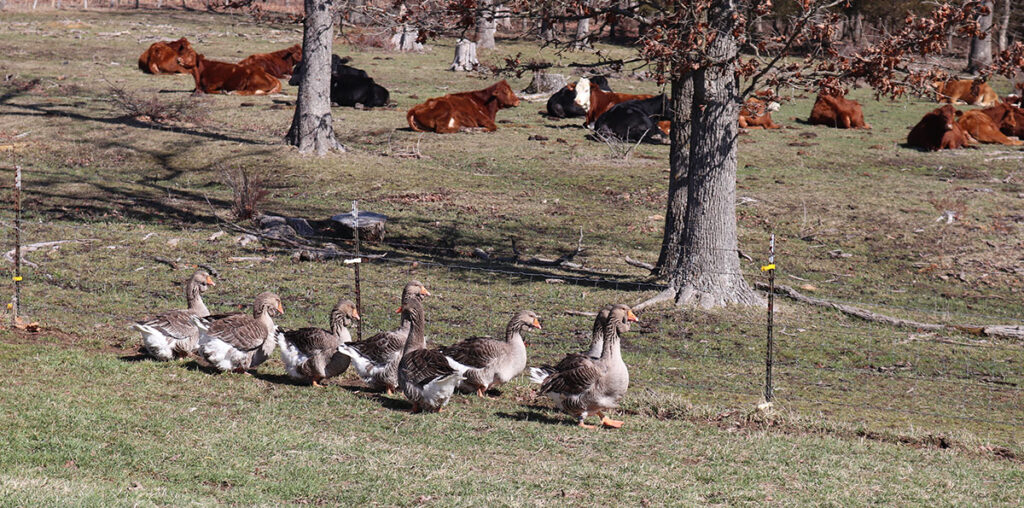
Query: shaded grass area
[[854, 213]]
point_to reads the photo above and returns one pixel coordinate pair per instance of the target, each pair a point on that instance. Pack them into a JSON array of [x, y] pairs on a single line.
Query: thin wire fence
[[721, 359]]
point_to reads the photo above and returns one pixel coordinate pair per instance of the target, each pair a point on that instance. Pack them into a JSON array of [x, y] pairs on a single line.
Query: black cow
[[352, 90], [338, 68], [563, 103], [633, 120]]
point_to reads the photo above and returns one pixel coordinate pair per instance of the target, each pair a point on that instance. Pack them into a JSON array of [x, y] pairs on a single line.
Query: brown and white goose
[[426, 376], [539, 374], [239, 342], [172, 334], [311, 354], [376, 359], [594, 386], [494, 362]]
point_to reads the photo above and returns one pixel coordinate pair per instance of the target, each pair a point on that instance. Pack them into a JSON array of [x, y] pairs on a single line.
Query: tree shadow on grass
[[137, 357], [280, 379]]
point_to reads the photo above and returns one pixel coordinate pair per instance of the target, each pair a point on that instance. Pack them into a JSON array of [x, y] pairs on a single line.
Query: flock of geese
[[581, 384]]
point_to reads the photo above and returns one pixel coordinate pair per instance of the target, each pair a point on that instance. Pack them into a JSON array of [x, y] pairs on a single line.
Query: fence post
[[769, 389], [359, 295]]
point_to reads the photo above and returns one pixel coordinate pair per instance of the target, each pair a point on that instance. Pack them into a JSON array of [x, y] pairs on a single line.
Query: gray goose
[[172, 334], [539, 374], [239, 342], [426, 376], [494, 362], [376, 359], [593, 386], [311, 354]]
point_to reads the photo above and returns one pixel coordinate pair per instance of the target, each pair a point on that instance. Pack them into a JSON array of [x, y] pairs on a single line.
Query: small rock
[[537, 137], [173, 242], [215, 236], [245, 239]]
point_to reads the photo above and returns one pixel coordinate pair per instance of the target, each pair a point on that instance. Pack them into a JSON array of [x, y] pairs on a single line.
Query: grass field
[[865, 413]]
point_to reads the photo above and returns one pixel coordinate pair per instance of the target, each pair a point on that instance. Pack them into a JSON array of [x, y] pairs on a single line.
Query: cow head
[[506, 97], [583, 94], [294, 55], [948, 114], [188, 59]]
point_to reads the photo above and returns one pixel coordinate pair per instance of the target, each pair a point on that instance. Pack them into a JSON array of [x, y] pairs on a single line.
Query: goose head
[[416, 289], [198, 282], [520, 321], [267, 302], [344, 313], [620, 316]]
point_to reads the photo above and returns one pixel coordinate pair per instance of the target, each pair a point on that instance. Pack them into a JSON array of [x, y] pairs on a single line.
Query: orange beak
[[424, 292], [280, 308], [398, 310], [536, 323], [355, 314], [632, 317], [209, 280]]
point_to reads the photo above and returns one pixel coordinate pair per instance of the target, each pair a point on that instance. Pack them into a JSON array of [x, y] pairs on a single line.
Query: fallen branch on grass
[[640, 264], [998, 331], [9, 255], [564, 261]]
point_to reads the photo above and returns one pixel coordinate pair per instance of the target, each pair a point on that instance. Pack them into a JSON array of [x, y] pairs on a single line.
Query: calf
[[464, 110], [938, 130], [597, 101], [1009, 118], [838, 112], [162, 57], [982, 128], [221, 77], [965, 91], [756, 113], [634, 120], [352, 90], [563, 103], [279, 63], [338, 68]]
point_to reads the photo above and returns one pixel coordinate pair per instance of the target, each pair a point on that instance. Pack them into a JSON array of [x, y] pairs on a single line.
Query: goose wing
[[380, 347], [425, 365], [576, 380], [176, 324], [312, 341], [240, 331], [477, 352]]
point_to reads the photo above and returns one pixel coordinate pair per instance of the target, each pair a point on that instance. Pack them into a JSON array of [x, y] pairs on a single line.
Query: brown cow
[[965, 91], [597, 102], [982, 128], [464, 110], [162, 57], [221, 77], [939, 130], [838, 112], [756, 113], [1008, 117], [279, 63]]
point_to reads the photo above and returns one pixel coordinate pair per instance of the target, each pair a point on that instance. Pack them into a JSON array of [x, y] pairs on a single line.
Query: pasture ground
[[866, 413]]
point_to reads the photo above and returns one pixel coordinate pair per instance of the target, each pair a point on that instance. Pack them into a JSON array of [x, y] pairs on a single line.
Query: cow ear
[[959, 113]]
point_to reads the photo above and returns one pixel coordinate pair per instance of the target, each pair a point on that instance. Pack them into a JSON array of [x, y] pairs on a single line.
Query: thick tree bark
[[547, 30], [312, 128], [1004, 25], [582, 39], [485, 25], [981, 49], [708, 274], [465, 56], [679, 161]]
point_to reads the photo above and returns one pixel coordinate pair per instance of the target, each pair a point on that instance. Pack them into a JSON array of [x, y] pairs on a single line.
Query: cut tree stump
[[545, 83], [405, 39], [371, 226], [465, 57]]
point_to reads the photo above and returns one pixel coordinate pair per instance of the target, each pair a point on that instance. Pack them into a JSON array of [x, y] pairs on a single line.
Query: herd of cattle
[[628, 117]]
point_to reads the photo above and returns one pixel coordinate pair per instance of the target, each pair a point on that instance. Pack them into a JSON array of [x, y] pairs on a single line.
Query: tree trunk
[[465, 56], [312, 129], [485, 25], [503, 18], [405, 39], [1004, 25], [547, 30], [981, 47], [583, 29], [679, 161], [709, 272]]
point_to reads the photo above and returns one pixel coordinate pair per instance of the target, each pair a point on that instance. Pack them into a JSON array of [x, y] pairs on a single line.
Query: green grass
[[865, 413]]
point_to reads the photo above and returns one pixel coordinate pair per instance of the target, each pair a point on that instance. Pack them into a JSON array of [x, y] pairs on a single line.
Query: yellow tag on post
[[16, 278], [765, 268]]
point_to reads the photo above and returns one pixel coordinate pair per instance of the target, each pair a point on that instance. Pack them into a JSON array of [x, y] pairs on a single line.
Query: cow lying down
[[635, 120], [563, 103], [465, 110], [349, 86]]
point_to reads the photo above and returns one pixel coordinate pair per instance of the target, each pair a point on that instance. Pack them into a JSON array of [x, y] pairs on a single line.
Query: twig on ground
[[639, 264]]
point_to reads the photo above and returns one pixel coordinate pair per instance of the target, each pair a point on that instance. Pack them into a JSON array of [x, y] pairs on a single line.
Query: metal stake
[[17, 246], [769, 390], [359, 296]]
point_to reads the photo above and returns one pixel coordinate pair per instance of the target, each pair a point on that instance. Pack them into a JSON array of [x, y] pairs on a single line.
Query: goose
[[593, 386], [239, 342], [539, 374], [493, 362], [172, 334], [311, 354], [376, 359], [427, 377]]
